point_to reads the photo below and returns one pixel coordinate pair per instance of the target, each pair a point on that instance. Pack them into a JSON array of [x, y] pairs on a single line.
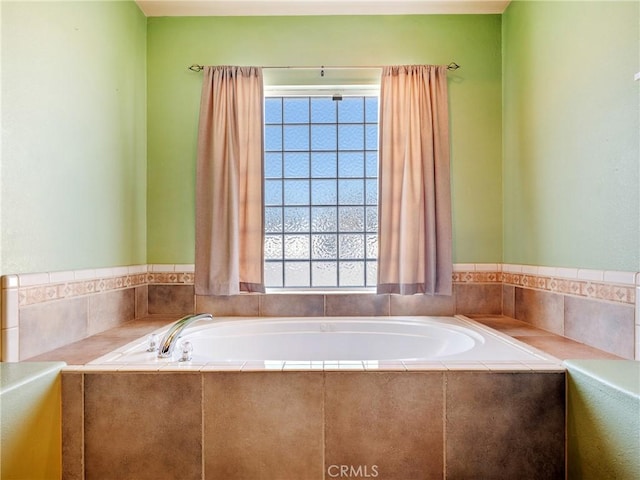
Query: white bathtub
[[326, 341]]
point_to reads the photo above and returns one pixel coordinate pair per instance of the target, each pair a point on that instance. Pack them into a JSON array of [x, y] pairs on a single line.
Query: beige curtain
[[229, 219], [414, 198]]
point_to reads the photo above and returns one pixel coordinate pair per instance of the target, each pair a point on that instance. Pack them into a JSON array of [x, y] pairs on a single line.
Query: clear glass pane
[[296, 137], [272, 165], [323, 110], [372, 219], [272, 137], [273, 110], [324, 247], [351, 137], [351, 246], [371, 139], [272, 219], [351, 164], [323, 192], [296, 219], [351, 192], [296, 165], [351, 110], [296, 110], [296, 274], [273, 192], [272, 247], [324, 164], [372, 164], [324, 274], [372, 274], [296, 246], [324, 137], [371, 109], [351, 274], [296, 192], [372, 246], [324, 219], [372, 192], [273, 274], [351, 219]]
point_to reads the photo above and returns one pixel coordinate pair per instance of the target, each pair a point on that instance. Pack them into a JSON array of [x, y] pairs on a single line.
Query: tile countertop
[[83, 351]]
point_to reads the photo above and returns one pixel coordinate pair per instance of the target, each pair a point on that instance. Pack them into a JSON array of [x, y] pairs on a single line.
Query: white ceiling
[[184, 8]]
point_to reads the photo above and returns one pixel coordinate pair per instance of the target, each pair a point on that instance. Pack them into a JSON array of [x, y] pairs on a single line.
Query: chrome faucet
[[168, 342]]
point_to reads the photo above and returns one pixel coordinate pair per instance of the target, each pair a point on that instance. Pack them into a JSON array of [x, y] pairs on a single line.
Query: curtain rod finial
[[196, 68]]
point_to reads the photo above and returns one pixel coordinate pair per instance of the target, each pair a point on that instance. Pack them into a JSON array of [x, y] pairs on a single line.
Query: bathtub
[[334, 342]]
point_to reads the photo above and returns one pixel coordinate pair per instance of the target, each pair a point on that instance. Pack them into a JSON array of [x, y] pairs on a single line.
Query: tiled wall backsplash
[[42, 311]]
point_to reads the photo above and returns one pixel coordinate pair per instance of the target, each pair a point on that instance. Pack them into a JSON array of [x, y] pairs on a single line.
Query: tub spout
[[170, 339]]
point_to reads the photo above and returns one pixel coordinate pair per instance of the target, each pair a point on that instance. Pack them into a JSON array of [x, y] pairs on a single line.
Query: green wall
[[473, 41], [73, 171], [571, 134]]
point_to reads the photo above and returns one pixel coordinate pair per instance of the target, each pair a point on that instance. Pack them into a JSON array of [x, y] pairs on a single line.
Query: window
[[321, 191]]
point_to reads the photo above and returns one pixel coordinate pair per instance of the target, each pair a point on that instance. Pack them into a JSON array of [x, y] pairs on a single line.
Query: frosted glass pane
[[372, 219], [296, 274], [323, 192], [296, 246], [372, 274], [351, 110], [351, 219], [272, 219], [371, 109], [323, 110], [296, 219], [273, 274], [351, 137], [324, 219], [324, 274], [372, 192], [324, 247], [296, 192], [272, 247], [324, 164], [372, 164], [324, 137], [273, 110], [351, 274], [272, 137], [296, 137], [372, 246], [351, 164], [273, 192], [272, 165], [351, 246], [296, 165], [296, 110], [371, 139], [351, 192]]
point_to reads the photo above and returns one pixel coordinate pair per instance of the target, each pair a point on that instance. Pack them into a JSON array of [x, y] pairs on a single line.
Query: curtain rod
[[198, 68]]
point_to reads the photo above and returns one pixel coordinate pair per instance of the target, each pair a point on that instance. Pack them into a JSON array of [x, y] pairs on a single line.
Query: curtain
[[414, 197], [229, 218]]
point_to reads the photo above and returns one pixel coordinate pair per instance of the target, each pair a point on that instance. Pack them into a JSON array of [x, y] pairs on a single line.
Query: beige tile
[[50, 325], [165, 299], [391, 420], [143, 426], [142, 301], [509, 326], [478, 298], [603, 325], [110, 309], [504, 425], [243, 305], [263, 425], [433, 305], [287, 305], [356, 304], [544, 310], [509, 300], [72, 426]]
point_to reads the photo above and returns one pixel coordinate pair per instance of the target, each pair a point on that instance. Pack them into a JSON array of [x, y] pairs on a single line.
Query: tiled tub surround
[[41, 312], [308, 424]]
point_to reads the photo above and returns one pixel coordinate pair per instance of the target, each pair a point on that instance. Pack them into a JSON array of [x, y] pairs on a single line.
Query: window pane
[[372, 246], [350, 192], [324, 219], [296, 219], [351, 137], [323, 192], [351, 110], [351, 164], [372, 273], [323, 110], [324, 164], [351, 219], [324, 247], [272, 137], [296, 165], [272, 246], [324, 274], [371, 109], [372, 164], [351, 274], [273, 165], [273, 274], [296, 110], [272, 219], [372, 192], [273, 192], [324, 137], [371, 142], [296, 192], [351, 246], [296, 274], [273, 110], [296, 137], [372, 219], [296, 246]]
